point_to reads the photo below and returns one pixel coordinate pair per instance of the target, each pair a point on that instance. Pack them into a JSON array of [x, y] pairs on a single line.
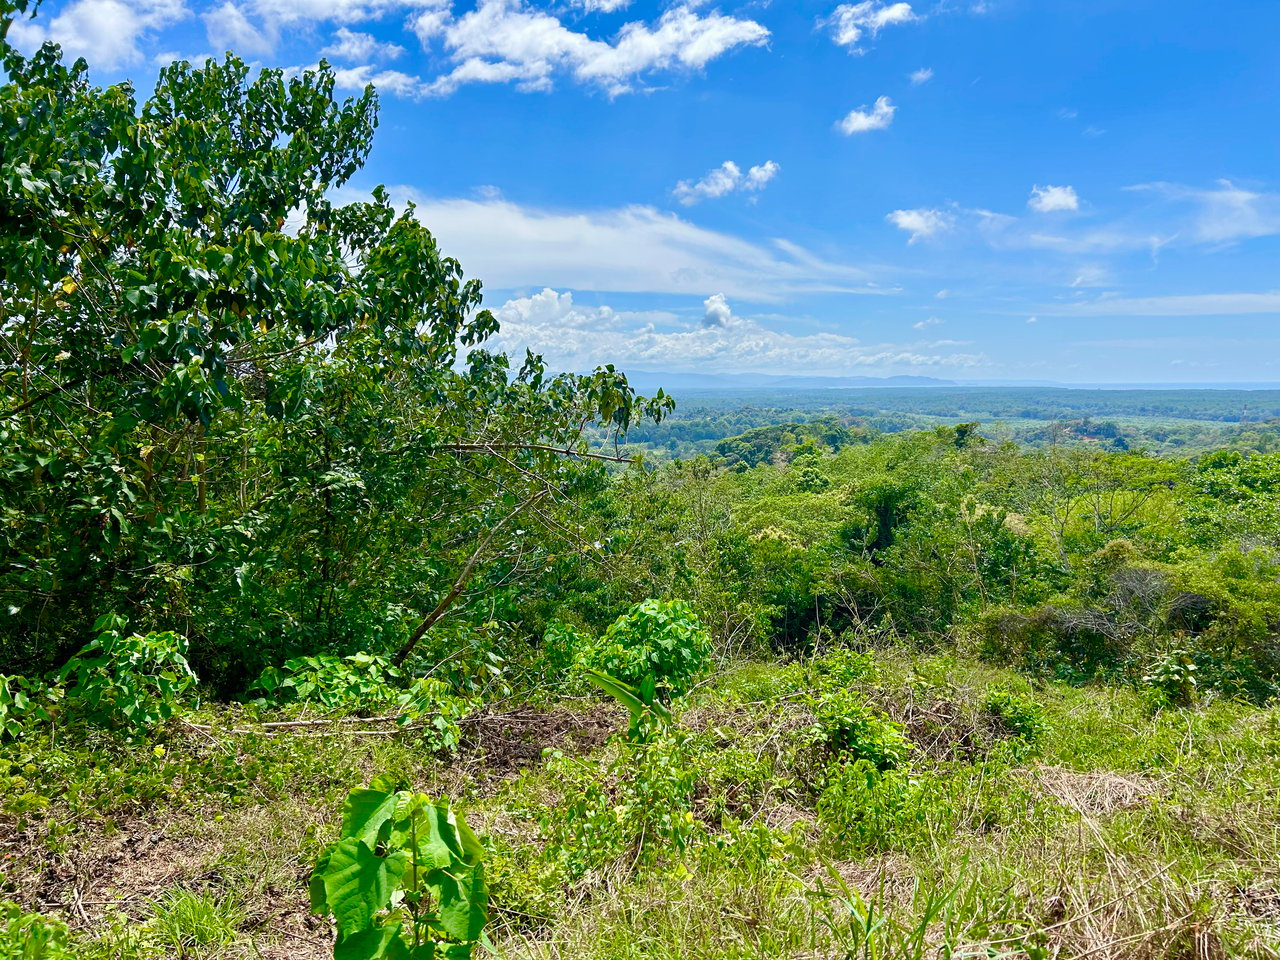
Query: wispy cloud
[[1192, 305], [627, 249], [725, 179], [850, 23]]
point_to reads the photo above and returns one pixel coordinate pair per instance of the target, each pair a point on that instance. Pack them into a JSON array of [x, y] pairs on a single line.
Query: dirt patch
[[507, 742], [117, 870], [1095, 792], [941, 728], [1257, 903]]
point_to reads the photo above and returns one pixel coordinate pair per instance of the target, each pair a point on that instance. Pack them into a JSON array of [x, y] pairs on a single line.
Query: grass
[[1090, 826]]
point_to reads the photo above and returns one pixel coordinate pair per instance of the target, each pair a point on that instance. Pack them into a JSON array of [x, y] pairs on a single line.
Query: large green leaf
[[444, 839], [379, 943], [358, 883], [368, 810], [463, 901]]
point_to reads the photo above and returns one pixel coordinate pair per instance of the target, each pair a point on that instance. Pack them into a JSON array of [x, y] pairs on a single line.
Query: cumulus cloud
[[921, 224], [849, 23], [628, 249], [355, 47], [385, 81], [575, 337], [104, 32], [509, 41], [725, 179], [921, 76], [864, 120], [716, 311], [228, 28], [926, 324], [1052, 199]]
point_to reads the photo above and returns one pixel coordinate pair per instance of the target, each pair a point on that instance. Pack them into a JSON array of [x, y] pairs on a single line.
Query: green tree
[[232, 407]]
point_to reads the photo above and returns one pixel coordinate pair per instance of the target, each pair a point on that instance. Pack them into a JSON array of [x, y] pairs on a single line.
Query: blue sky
[[1077, 190]]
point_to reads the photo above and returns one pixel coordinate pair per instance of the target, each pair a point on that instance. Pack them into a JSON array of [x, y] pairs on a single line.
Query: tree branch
[[564, 452], [460, 583]]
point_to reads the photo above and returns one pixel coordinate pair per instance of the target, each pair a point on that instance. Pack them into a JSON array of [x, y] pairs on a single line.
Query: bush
[[641, 804], [22, 702], [865, 808], [31, 936], [852, 731], [363, 683], [1020, 716], [130, 683], [657, 639]]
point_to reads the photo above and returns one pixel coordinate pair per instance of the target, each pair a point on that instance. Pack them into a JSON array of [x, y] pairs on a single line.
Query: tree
[[231, 406]]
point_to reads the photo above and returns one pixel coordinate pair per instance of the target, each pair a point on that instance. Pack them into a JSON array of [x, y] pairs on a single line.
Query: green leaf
[[367, 811], [464, 901], [358, 883], [379, 943]]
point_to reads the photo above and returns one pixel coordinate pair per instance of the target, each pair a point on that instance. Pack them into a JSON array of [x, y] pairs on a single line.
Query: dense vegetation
[[329, 633], [1173, 422]]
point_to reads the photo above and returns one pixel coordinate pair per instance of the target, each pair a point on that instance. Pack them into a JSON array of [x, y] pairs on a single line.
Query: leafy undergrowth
[[851, 806]]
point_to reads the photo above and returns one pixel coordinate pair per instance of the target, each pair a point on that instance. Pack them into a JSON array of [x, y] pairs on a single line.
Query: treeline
[[700, 427], [1075, 563]]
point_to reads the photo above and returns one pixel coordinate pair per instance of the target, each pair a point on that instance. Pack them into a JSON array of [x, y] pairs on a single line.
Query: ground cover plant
[[327, 632]]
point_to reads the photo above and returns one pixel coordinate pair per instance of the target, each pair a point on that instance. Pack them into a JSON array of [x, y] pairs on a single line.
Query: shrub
[[852, 731], [1022, 717], [641, 804], [365, 682], [130, 683], [22, 702], [866, 808], [31, 936], [404, 879], [659, 640]]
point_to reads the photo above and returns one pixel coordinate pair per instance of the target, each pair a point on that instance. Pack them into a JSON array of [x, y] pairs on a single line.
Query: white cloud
[[385, 81], [228, 28], [1193, 305], [601, 6], [509, 41], [724, 179], [104, 32], [921, 76], [863, 120], [1051, 199], [334, 11], [922, 223], [629, 249], [926, 324], [850, 22], [578, 338], [716, 311], [357, 47], [760, 174], [1033, 319], [1224, 213]]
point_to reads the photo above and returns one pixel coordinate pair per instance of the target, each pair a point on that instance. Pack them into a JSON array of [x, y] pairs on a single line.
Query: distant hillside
[[648, 381]]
